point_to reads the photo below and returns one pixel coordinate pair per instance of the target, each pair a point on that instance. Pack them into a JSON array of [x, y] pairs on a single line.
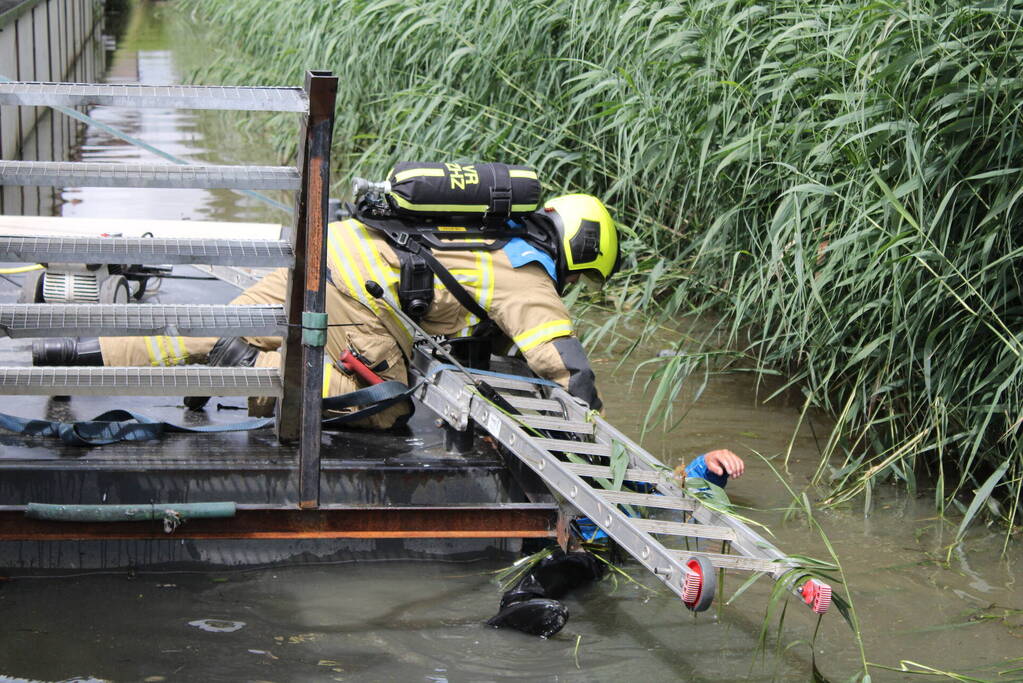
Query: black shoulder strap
[[444, 275], [500, 196]]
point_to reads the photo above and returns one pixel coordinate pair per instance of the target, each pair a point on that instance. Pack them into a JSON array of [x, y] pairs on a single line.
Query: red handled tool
[[353, 363]]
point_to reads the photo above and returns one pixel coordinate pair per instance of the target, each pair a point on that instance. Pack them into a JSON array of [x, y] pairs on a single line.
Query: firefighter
[[517, 286]]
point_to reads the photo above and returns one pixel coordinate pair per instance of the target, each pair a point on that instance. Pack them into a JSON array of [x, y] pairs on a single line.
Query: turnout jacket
[[521, 300]]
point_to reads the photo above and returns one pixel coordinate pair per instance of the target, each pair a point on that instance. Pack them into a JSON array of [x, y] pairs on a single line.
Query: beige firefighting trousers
[[369, 337]]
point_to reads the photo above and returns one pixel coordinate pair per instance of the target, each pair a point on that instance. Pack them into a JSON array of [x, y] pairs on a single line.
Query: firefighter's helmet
[[587, 237]]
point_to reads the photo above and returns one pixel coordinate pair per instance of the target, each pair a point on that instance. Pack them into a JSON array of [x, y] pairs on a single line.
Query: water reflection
[[218, 626]]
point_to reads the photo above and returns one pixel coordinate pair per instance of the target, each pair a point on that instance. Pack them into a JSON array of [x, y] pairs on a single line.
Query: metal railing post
[[301, 401]]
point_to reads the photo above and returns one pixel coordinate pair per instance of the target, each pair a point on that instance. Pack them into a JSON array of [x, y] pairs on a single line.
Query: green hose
[[128, 513]]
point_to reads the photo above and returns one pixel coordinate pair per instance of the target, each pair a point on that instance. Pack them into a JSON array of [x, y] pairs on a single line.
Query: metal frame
[[305, 253], [448, 393], [504, 520], [299, 414]]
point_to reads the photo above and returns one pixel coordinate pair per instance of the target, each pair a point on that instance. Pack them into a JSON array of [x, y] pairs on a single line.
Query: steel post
[[300, 412]]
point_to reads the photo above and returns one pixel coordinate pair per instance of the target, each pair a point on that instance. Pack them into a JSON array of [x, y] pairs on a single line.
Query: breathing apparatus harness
[[433, 206]]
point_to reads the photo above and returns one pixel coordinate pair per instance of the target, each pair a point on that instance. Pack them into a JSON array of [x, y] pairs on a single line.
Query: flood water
[[410, 621]]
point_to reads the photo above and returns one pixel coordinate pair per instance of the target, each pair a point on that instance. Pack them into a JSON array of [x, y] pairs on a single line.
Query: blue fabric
[[698, 469], [520, 252], [113, 426]]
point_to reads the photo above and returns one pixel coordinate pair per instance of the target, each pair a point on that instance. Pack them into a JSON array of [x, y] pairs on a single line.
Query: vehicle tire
[[32, 288], [114, 290]]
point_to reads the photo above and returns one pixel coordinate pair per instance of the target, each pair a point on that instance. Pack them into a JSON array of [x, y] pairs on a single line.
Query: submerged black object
[[66, 351], [537, 617], [228, 352], [532, 605]]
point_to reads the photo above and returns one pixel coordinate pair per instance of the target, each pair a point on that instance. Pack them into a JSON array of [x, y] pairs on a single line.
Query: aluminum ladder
[[552, 424], [303, 252]]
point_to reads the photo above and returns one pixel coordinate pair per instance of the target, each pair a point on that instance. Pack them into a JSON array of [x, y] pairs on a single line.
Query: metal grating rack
[[62, 320], [139, 96], [68, 173], [193, 380], [298, 382], [257, 253]]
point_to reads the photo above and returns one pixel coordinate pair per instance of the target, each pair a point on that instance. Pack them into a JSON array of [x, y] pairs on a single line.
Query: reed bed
[[839, 180]]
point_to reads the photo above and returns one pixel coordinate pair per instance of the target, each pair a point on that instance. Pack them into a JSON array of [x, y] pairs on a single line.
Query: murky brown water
[[409, 621]]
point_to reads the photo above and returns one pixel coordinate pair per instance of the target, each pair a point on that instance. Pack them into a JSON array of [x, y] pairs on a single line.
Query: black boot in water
[[537, 617], [531, 606], [66, 351], [228, 352]]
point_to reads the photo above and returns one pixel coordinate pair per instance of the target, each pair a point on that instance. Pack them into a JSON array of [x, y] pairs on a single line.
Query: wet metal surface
[[509, 520]]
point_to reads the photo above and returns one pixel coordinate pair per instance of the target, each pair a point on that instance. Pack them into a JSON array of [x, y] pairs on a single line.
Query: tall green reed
[[840, 180]]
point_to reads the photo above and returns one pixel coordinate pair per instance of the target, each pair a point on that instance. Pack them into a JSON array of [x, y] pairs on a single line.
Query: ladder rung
[[264, 253], [645, 476], [194, 380], [649, 500], [62, 320], [167, 96], [753, 564], [580, 447], [656, 526], [88, 174], [556, 424], [527, 403], [508, 383]]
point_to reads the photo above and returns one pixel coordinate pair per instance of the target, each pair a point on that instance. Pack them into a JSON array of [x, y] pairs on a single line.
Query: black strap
[[376, 398], [404, 236], [400, 230], [500, 195]]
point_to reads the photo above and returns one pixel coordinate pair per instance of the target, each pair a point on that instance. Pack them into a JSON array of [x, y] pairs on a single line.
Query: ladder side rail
[[289, 408], [748, 542], [640, 545]]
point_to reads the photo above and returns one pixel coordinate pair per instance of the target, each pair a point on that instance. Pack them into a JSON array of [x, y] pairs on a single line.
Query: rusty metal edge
[[499, 521]]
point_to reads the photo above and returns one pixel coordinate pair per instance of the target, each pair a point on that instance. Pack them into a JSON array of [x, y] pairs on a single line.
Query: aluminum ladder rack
[[557, 425], [297, 384]]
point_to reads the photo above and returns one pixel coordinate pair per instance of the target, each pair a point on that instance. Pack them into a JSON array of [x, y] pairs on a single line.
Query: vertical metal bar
[[321, 87]]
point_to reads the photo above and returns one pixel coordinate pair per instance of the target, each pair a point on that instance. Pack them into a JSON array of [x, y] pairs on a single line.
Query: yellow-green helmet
[[587, 237]]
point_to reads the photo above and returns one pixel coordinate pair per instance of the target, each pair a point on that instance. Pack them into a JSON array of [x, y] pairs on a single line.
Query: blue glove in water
[[698, 468]]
